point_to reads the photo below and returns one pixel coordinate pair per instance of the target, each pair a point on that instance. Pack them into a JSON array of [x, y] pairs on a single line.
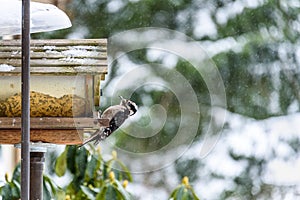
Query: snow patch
[[6, 68], [50, 48]]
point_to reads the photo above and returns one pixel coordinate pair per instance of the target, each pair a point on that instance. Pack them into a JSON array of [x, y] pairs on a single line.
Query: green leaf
[[111, 193], [76, 183], [174, 193], [17, 173], [122, 174], [61, 164], [15, 190], [60, 194], [46, 192], [125, 170], [71, 188], [6, 192], [81, 162], [126, 195], [71, 155], [186, 196], [180, 193], [10, 191], [92, 167], [105, 171], [50, 189], [194, 194], [47, 180], [88, 192], [17, 184], [101, 195], [184, 193]]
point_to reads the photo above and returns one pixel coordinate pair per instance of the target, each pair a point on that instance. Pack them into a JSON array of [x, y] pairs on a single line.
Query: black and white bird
[[117, 115]]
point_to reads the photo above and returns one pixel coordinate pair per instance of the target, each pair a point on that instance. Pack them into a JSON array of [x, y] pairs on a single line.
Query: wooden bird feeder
[[65, 89]]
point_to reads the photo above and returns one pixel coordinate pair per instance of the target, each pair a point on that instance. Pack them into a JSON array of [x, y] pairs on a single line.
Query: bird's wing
[[117, 115], [118, 120]]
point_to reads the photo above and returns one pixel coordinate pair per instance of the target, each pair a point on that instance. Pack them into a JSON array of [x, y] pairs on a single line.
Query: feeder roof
[[43, 17], [56, 57]]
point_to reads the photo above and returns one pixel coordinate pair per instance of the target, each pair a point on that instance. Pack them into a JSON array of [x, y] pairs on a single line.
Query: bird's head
[[130, 105]]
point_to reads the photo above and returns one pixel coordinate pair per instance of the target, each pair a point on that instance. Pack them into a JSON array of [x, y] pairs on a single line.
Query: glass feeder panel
[[50, 96]]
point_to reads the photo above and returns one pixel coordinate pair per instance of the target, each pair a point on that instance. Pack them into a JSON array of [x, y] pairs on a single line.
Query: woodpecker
[[116, 114]]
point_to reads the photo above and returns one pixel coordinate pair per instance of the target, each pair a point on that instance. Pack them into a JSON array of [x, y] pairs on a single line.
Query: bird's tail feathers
[[96, 136]]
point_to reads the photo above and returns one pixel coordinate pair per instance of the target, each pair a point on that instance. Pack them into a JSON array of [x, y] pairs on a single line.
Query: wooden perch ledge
[[49, 130]]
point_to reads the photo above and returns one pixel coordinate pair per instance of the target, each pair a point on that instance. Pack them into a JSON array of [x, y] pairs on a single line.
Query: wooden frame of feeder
[[54, 62]]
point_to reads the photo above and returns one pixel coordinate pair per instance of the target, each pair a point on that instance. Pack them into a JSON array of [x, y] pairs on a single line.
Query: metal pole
[[37, 160], [25, 129]]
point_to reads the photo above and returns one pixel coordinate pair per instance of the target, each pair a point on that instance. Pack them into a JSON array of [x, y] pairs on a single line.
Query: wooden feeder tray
[[85, 57], [50, 130]]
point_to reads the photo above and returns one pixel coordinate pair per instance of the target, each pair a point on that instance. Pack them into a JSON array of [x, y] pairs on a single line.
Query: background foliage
[[255, 45], [91, 176]]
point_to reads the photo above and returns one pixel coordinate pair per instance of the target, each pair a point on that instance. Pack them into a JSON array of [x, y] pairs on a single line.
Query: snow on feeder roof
[[43, 17], [56, 57]]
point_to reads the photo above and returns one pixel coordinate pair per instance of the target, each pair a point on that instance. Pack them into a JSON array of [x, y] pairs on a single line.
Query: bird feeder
[[64, 89]]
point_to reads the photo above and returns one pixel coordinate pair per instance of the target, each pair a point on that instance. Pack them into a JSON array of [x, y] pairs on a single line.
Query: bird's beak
[[121, 97]]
